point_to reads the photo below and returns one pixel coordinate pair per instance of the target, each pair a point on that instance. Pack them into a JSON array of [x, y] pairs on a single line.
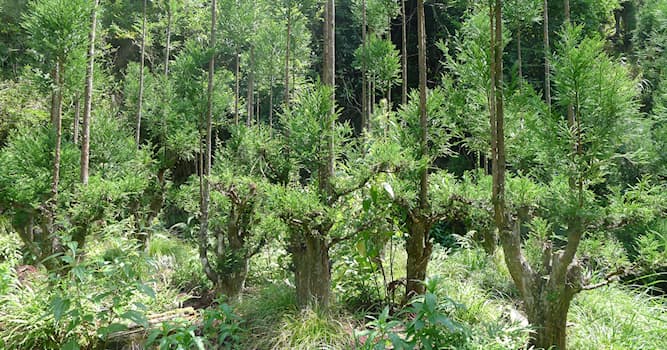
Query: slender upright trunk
[[547, 53], [310, 249], [423, 118], [404, 56], [168, 45], [77, 120], [141, 76], [251, 87], [287, 53], [329, 79], [498, 135], [570, 108], [490, 235], [258, 103], [56, 118], [519, 56], [85, 142], [206, 167], [50, 242], [271, 103], [237, 88], [418, 245], [364, 111]]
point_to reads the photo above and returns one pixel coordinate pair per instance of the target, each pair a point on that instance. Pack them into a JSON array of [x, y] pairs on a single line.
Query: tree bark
[[77, 120], [85, 142], [364, 88], [566, 9], [237, 89], [56, 117], [329, 79], [309, 246], [271, 104], [287, 54], [251, 88], [206, 169], [418, 248], [168, 45], [141, 76], [547, 53], [423, 117], [404, 56], [418, 245], [312, 270], [519, 56]]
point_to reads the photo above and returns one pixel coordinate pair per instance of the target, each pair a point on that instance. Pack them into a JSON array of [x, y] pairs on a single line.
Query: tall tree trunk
[[77, 120], [287, 53], [168, 45], [141, 76], [519, 56], [310, 250], [50, 242], [423, 117], [418, 246], [364, 109], [85, 142], [237, 88], [251, 88], [547, 53], [271, 103], [498, 132], [546, 300], [329, 79], [570, 108], [404, 56], [56, 118], [206, 168]]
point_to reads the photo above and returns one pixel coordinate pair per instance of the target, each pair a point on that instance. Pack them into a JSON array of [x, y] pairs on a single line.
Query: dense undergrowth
[[469, 304]]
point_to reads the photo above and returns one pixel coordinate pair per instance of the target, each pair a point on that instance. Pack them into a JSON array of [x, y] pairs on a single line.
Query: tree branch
[[609, 278]]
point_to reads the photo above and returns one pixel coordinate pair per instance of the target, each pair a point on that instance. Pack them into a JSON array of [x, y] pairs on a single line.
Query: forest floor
[[473, 288]]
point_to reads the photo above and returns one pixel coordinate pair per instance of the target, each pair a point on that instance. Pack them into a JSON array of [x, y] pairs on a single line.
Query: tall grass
[[618, 318]]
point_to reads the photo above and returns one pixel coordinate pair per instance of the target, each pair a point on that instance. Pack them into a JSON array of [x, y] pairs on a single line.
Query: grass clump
[[617, 318]]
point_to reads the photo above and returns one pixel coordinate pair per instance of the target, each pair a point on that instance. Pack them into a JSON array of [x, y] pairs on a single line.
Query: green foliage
[[649, 36], [308, 124], [379, 14], [27, 166], [220, 330], [603, 97], [82, 305], [21, 104], [428, 326], [57, 28], [381, 60]]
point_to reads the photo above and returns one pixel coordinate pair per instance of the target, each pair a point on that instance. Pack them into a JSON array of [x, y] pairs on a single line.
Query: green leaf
[[71, 345], [146, 290], [112, 328], [136, 317], [59, 306]]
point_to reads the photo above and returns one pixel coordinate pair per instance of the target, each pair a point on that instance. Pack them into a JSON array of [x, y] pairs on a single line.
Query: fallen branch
[[136, 331]]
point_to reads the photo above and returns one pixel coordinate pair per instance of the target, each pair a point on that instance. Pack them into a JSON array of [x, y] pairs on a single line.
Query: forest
[[322, 174]]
